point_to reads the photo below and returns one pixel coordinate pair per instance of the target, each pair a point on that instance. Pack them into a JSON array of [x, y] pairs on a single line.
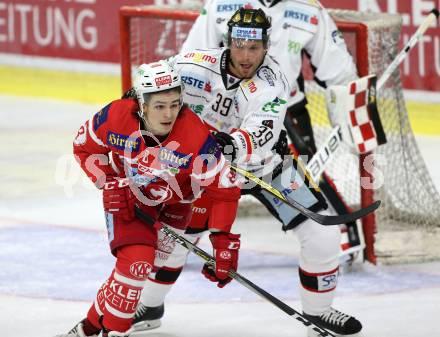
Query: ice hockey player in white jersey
[[299, 27], [239, 91]]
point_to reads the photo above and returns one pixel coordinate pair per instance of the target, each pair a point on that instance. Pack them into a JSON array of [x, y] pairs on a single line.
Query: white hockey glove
[[338, 108], [352, 107]]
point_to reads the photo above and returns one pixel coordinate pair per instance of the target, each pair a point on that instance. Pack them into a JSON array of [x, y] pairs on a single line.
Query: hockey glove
[[226, 246], [118, 198], [227, 145], [281, 146]]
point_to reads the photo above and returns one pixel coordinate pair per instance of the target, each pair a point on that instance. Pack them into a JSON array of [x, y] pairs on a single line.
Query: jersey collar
[[269, 3], [229, 81]]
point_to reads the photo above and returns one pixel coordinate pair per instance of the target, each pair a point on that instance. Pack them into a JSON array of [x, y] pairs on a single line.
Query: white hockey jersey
[[296, 25], [252, 111]]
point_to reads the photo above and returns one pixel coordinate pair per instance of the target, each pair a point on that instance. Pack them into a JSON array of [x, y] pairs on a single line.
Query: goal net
[[407, 226]]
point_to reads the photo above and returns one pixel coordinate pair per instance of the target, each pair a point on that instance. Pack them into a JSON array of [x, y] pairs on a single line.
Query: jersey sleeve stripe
[[113, 164], [93, 135], [247, 138], [97, 308], [117, 313], [135, 283]]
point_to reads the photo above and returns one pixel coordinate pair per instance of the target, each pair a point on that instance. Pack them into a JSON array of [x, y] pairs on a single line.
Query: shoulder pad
[[125, 110], [269, 72], [125, 104]]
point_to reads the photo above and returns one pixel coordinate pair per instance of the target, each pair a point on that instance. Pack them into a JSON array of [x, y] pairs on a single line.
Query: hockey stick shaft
[[326, 220], [233, 274], [242, 280], [335, 138], [434, 14]]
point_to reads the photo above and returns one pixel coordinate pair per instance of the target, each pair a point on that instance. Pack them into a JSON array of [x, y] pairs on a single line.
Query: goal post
[[129, 14], [395, 173]]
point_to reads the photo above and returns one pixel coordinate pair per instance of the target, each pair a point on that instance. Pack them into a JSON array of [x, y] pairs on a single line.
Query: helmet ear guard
[[249, 24]]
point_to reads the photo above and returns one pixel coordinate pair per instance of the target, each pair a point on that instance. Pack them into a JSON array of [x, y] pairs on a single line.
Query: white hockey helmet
[[155, 77]]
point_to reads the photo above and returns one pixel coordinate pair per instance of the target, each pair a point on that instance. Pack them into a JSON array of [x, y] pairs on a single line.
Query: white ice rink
[[54, 255]]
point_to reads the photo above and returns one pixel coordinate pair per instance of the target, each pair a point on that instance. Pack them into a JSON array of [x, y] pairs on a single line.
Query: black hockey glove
[[227, 145], [281, 146]]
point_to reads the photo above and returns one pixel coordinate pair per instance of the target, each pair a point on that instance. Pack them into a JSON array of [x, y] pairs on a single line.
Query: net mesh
[[408, 220], [410, 201]]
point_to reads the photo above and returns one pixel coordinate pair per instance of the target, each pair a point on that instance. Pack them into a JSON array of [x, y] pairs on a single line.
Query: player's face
[[161, 111], [246, 56]]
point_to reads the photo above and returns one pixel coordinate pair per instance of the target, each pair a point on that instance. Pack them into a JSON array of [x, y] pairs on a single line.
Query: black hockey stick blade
[[326, 220]]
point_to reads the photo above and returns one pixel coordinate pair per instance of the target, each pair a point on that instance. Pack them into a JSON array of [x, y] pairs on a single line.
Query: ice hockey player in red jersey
[[153, 154], [301, 29], [242, 93]]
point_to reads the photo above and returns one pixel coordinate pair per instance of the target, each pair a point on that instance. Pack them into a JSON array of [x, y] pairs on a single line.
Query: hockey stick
[[331, 144], [434, 14], [233, 274], [326, 220]]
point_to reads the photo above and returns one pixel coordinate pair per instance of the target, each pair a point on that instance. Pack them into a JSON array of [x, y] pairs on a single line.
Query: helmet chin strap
[[144, 121]]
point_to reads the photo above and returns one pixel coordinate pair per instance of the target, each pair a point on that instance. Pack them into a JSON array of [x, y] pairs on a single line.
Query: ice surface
[[54, 254]]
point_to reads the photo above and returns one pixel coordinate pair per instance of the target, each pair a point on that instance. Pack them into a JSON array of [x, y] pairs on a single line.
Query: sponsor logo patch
[[174, 158], [163, 80], [197, 81], [197, 108], [166, 244], [274, 105], [266, 74], [251, 85], [140, 269], [200, 57], [225, 255], [293, 187], [294, 47], [301, 16], [228, 7], [100, 117], [199, 210], [158, 193], [247, 33], [122, 142]]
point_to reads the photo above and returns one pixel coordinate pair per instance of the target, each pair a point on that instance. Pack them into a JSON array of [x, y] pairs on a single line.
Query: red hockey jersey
[[177, 169]]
